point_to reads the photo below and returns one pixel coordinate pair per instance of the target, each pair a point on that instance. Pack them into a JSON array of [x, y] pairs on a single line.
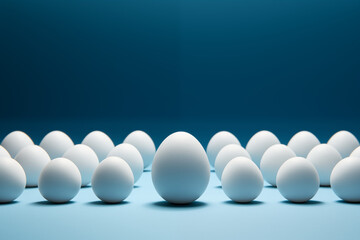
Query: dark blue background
[[197, 65]]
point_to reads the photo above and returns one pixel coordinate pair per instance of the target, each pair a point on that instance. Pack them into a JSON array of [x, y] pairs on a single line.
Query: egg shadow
[[136, 186], [85, 187], [147, 170], [271, 187], [47, 203], [219, 187], [345, 202], [212, 170], [229, 202], [310, 202], [165, 204], [9, 203], [101, 203]]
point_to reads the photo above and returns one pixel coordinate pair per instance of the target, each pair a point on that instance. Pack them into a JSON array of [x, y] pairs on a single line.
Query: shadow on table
[[345, 202], [47, 203], [164, 204], [137, 186], [270, 186], [101, 203], [311, 202], [252, 203], [212, 170], [9, 203], [220, 187], [147, 170]]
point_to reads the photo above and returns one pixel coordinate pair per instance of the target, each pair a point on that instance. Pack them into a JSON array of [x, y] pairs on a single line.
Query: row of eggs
[[180, 170]]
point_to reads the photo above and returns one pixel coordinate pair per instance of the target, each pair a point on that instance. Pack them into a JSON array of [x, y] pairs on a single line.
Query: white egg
[[113, 180], [226, 154], [32, 159], [4, 152], [12, 179], [297, 180], [259, 143], [272, 160], [355, 153], [131, 156], [143, 142], [302, 143], [85, 159], [180, 171], [345, 142], [56, 143], [242, 180], [217, 142], [345, 179], [15, 141], [100, 143], [60, 180], [324, 157]]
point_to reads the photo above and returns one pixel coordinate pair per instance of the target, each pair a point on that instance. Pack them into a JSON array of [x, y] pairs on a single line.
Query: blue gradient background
[[168, 65]]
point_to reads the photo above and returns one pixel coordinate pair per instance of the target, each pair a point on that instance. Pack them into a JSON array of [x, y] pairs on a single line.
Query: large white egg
[[143, 142], [297, 180], [15, 141], [131, 156], [32, 159], [4, 152], [12, 179], [113, 180], [56, 143], [242, 180], [302, 143], [100, 143], [345, 142], [345, 179], [85, 159], [180, 171], [226, 154], [272, 160], [259, 143], [324, 157], [217, 142], [60, 180]]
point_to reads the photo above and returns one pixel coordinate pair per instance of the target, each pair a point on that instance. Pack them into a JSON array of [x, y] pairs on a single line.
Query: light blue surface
[[146, 216]]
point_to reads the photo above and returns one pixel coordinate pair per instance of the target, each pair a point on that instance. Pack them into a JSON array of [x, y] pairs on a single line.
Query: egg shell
[[302, 143], [226, 154], [56, 143], [113, 180], [180, 171], [144, 144], [345, 142], [242, 180], [100, 143], [259, 143], [15, 141], [217, 142]]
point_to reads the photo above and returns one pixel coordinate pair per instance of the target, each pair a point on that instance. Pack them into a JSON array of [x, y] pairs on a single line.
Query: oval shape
[[345, 179], [56, 143], [324, 157], [273, 158], [217, 142], [12, 179], [113, 180], [59, 181], [32, 159], [259, 143], [226, 154], [144, 144], [180, 171], [100, 143], [345, 142], [297, 180], [132, 156], [15, 141], [242, 180], [302, 143], [85, 159]]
